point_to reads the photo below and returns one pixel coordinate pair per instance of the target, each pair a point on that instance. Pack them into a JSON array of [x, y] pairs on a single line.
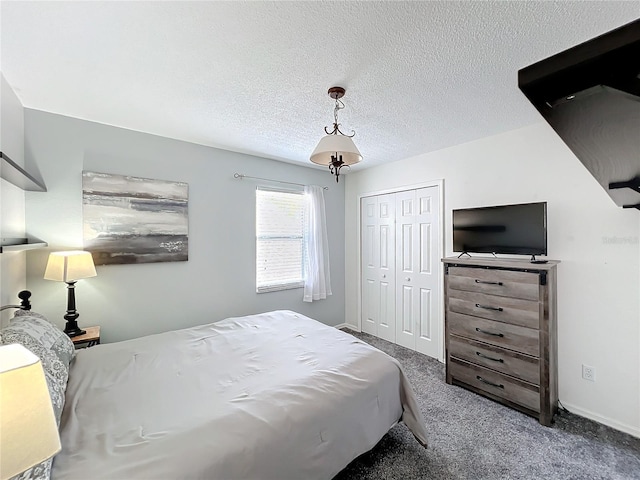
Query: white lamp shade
[[27, 422], [335, 145], [69, 266]]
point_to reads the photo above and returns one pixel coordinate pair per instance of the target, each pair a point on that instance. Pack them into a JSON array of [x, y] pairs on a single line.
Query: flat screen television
[[509, 229]]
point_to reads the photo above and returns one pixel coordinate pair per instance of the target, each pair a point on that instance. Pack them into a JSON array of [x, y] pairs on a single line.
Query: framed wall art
[[134, 220]]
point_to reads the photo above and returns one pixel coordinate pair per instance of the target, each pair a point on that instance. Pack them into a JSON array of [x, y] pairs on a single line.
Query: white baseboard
[[347, 325], [344, 325], [635, 431]]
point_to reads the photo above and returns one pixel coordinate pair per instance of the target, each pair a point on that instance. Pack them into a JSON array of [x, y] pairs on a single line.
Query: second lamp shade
[[69, 266]]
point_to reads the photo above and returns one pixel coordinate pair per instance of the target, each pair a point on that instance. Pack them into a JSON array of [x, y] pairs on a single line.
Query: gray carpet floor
[[471, 437]]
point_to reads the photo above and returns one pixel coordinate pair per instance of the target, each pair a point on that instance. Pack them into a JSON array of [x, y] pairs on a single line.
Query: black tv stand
[[464, 253], [533, 260]]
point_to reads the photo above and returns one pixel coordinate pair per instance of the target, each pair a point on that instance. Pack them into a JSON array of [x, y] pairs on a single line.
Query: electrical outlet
[[588, 373]]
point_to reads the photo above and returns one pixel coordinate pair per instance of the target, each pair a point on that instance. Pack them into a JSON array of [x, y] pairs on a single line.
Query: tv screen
[[509, 229]]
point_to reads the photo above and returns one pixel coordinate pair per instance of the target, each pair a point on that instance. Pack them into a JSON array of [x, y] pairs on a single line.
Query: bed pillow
[[55, 350], [46, 333]]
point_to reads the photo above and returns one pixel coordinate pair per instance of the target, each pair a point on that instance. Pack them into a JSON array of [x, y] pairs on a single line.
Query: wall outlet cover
[[588, 373]]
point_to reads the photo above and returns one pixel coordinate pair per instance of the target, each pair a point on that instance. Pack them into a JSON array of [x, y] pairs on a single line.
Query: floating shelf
[[18, 176], [15, 174], [19, 244], [590, 95], [633, 184]]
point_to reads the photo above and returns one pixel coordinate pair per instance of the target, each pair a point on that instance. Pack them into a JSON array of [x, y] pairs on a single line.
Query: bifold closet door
[[378, 266], [418, 286]]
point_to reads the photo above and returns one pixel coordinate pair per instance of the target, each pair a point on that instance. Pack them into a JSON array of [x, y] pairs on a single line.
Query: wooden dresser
[[500, 331]]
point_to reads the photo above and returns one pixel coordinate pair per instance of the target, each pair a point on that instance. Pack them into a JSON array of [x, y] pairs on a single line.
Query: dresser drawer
[[513, 337], [498, 384], [504, 283], [504, 309], [512, 363]]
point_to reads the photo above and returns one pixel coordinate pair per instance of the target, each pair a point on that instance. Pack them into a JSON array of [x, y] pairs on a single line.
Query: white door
[[378, 266], [418, 325], [369, 264]]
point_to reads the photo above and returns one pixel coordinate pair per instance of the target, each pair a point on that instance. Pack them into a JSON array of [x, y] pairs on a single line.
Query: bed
[[270, 396]]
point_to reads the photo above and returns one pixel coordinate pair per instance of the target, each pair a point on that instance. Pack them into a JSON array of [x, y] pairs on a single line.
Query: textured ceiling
[[252, 77]]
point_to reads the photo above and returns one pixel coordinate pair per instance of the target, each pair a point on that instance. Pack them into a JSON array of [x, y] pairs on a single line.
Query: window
[[279, 239]]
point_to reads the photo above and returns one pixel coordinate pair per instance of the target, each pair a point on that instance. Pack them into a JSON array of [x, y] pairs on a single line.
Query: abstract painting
[[134, 220]]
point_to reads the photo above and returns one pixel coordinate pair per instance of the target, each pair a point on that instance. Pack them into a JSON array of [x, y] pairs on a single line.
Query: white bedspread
[[270, 396]]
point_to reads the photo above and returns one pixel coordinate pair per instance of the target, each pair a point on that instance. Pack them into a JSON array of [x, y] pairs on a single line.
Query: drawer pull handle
[[488, 382], [489, 283], [482, 355], [489, 333], [486, 307]]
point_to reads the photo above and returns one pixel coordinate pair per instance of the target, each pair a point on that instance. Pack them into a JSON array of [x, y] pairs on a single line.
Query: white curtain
[[317, 281]]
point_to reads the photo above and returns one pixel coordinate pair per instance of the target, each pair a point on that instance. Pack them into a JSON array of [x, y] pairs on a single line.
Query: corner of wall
[[12, 199]]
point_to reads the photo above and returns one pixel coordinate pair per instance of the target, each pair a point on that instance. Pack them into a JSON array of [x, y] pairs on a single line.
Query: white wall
[[12, 199], [218, 280], [597, 242], [11, 123], [13, 265]]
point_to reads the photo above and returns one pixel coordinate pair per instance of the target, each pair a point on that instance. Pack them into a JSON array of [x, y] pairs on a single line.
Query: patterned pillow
[[46, 333], [55, 350]]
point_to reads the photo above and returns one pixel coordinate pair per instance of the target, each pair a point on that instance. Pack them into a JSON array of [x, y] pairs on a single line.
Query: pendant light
[[336, 150]]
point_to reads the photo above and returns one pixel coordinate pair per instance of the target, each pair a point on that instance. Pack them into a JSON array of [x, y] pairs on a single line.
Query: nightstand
[[89, 339]]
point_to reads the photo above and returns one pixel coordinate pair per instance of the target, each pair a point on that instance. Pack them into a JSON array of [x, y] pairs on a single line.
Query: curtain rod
[[242, 175]]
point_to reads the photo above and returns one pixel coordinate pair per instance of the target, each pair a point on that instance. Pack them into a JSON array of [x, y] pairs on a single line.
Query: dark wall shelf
[[18, 176], [590, 95], [20, 244]]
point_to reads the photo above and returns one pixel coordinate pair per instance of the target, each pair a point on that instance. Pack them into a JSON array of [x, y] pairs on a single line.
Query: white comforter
[[270, 396]]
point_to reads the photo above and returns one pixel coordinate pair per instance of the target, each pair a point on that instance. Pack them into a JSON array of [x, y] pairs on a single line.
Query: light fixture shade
[[330, 145], [27, 422], [69, 266]]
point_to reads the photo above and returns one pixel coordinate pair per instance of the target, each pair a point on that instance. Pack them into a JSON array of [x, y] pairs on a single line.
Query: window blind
[[279, 239]]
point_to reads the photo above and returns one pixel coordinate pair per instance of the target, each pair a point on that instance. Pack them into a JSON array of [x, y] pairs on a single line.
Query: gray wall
[[12, 198], [218, 281]]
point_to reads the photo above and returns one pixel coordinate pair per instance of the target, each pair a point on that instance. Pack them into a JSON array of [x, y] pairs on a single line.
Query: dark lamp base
[[71, 328], [73, 331]]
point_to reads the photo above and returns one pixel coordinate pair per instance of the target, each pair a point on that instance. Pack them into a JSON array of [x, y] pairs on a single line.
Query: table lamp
[[69, 267], [27, 422]]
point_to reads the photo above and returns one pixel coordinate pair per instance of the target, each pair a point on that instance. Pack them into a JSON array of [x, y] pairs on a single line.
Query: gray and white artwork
[[134, 220]]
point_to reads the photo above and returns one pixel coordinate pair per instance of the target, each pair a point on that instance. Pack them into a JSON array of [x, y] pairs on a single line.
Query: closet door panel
[[369, 261], [426, 279], [425, 314], [386, 251], [406, 297], [378, 266]]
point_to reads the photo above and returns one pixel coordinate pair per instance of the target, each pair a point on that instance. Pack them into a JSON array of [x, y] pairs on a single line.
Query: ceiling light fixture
[[336, 149]]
